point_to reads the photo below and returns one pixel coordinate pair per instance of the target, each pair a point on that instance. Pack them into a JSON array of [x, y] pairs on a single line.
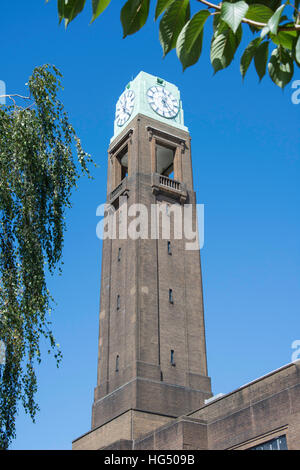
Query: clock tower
[[152, 355]]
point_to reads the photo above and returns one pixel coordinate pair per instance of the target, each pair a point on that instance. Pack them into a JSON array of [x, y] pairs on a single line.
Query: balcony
[[173, 188], [120, 190]]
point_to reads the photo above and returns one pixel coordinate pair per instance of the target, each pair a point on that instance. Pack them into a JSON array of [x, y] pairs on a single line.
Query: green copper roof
[[140, 86]]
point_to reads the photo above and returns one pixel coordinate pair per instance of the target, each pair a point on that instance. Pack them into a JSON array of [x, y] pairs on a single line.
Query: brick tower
[[152, 356]]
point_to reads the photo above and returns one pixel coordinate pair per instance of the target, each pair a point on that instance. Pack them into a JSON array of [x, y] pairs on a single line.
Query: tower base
[[150, 396], [263, 413]]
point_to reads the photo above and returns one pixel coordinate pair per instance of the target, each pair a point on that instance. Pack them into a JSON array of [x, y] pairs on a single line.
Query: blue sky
[[245, 149]]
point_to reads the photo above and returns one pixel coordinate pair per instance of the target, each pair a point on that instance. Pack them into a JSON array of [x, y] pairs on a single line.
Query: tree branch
[[257, 24], [15, 95]]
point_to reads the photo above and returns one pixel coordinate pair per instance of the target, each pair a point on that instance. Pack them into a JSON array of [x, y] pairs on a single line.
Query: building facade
[[153, 390]]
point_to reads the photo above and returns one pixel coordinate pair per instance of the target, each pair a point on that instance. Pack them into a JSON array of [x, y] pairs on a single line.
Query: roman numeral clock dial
[[124, 107], [162, 102]]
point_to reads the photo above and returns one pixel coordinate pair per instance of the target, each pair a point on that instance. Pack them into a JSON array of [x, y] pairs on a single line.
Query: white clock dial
[[162, 102], [125, 107]]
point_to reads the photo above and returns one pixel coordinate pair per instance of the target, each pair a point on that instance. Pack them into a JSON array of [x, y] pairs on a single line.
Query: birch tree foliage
[[38, 171], [274, 24]]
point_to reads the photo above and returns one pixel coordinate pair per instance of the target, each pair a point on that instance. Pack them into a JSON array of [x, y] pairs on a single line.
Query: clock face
[[125, 107], [162, 102]]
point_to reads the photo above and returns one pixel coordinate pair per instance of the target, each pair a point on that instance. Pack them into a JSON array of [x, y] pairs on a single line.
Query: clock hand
[[125, 110], [168, 107]]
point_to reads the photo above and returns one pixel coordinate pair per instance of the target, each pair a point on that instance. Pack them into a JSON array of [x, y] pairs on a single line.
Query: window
[[123, 159], [117, 362], [120, 166], [171, 300], [279, 443], [119, 254], [169, 248], [118, 302], [165, 160], [172, 358]]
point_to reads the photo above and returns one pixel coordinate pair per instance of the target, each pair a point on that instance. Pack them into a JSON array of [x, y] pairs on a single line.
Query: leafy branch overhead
[[275, 25]]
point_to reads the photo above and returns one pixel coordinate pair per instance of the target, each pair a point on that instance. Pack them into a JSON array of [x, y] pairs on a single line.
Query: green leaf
[[189, 42], [172, 23], [295, 12], [161, 6], [233, 13], [281, 67], [285, 39], [248, 55], [216, 21], [189, 58], [98, 7], [223, 47], [264, 31], [259, 13], [134, 15], [297, 51], [273, 4], [69, 9], [219, 25], [275, 19], [272, 25], [261, 59]]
